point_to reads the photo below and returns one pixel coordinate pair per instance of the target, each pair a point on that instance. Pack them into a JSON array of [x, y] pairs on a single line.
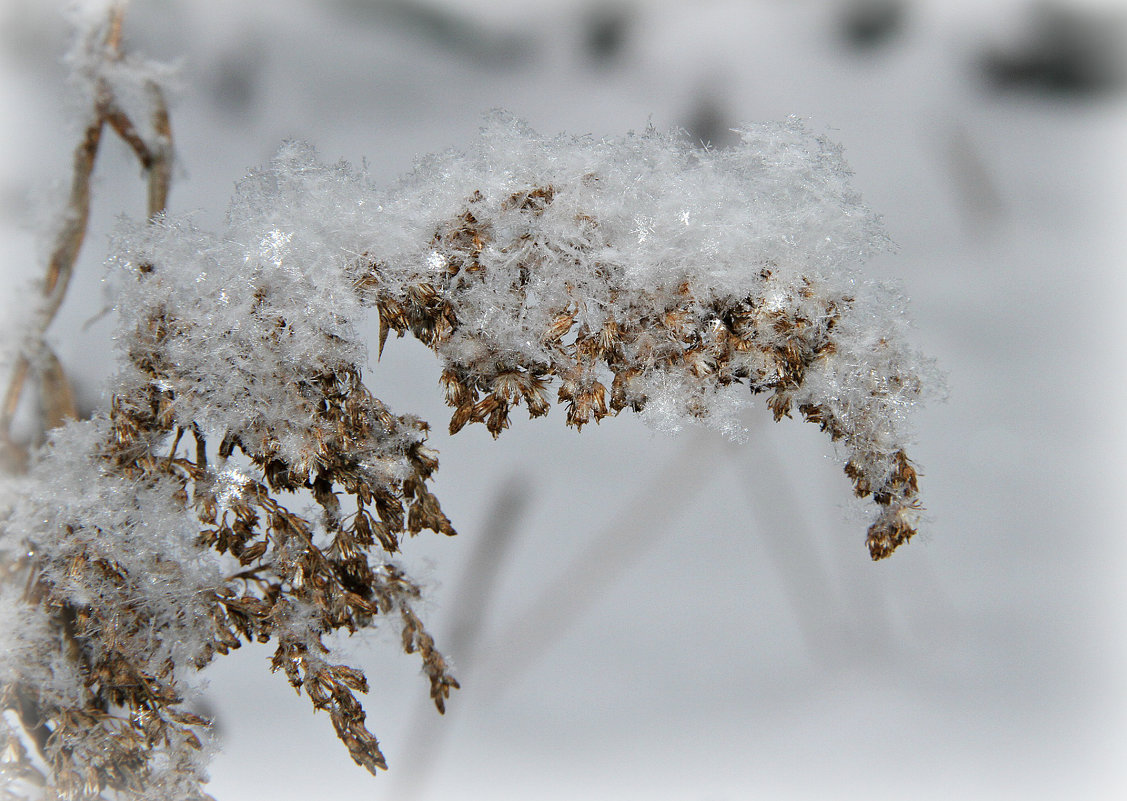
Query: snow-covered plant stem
[[100, 67], [244, 484]]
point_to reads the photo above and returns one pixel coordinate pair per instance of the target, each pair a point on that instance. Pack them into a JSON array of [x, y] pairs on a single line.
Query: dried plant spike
[[583, 264], [636, 273]]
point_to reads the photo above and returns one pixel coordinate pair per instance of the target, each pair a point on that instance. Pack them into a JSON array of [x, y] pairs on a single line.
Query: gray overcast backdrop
[[681, 618]]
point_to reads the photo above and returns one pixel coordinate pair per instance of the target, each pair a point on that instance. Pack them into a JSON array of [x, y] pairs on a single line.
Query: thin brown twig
[[113, 34], [160, 170], [56, 393], [156, 159], [112, 113], [60, 267]]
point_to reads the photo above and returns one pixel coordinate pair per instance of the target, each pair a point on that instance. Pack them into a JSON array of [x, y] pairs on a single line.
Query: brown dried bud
[[559, 327], [891, 530]]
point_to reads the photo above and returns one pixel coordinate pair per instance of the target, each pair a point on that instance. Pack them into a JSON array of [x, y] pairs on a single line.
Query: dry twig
[[37, 358]]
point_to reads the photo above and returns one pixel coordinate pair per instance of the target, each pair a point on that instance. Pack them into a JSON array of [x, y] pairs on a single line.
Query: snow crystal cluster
[[608, 232], [234, 325]]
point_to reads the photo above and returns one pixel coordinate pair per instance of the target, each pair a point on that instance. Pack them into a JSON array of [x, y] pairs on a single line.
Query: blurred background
[[635, 616]]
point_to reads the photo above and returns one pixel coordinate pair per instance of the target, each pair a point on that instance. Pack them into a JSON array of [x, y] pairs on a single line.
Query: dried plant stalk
[[137, 554], [684, 334], [155, 156]]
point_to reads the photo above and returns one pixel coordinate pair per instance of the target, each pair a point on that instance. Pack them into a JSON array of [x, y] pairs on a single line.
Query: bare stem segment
[[37, 360]]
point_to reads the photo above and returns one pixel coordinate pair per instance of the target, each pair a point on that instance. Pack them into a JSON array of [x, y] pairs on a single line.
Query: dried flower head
[[637, 274]]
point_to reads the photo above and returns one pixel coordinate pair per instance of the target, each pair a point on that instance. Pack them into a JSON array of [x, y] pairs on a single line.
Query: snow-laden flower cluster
[[662, 272], [639, 273]]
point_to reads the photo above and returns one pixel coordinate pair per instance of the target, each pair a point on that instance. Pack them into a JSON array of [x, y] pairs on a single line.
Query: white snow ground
[[740, 644]]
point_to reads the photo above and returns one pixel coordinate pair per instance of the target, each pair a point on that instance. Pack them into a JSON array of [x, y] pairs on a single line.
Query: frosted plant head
[[606, 275], [647, 274]]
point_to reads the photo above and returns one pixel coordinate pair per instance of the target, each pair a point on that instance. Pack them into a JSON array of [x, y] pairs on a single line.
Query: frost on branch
[[637, 273], [648, 274]]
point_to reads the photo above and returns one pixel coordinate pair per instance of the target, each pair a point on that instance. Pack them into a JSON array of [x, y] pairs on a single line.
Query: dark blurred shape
[[235, 80], [976, 192], [1066, 51], [32, 36], [867, 24], [638, 525], [483, 571], [470, 611], [606, 29], [456, 32], [708, 123]]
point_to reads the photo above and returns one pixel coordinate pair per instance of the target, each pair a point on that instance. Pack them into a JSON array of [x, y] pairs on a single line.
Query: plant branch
[[155, 156]]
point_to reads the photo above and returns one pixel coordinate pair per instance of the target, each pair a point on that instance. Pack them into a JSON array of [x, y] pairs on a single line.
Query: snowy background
[[682, 618]]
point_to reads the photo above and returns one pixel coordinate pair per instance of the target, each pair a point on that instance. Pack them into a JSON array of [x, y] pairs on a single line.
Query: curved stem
[[155, 157]]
